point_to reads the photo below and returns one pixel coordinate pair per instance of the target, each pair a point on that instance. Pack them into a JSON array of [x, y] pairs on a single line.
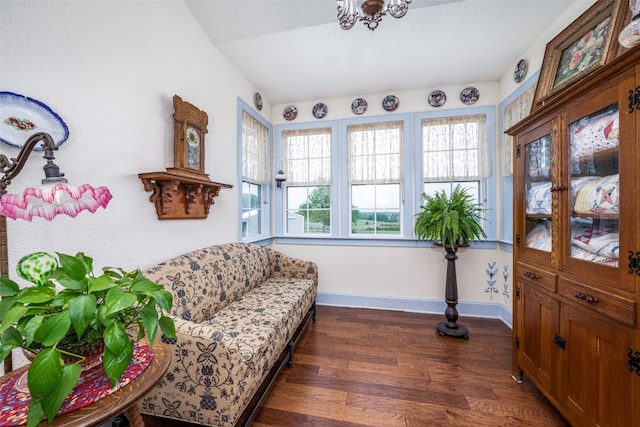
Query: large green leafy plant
[[68, 313], [450, 220]]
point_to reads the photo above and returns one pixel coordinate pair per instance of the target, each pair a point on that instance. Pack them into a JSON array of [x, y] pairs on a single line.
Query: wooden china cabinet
[[577, 247]]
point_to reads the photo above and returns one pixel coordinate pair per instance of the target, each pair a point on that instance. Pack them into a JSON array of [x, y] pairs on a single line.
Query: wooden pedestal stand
[[450, 327]]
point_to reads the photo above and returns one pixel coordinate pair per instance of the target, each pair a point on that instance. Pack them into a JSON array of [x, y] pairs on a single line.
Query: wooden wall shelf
[[181, 194]]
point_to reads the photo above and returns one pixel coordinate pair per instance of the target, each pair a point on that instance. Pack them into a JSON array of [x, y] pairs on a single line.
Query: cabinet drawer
[[618, 308], [540, 277]]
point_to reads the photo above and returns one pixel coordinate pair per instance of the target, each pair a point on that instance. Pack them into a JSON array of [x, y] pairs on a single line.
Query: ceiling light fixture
[[369, 11]]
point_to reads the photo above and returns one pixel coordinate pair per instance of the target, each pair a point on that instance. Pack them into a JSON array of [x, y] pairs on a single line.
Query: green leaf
[[68, 283], [101, 283], [8, 287], [167, 326], [36, 295], [82, 310], [117, 300], [149, 317], [5, 350], [12, 316], [12, 337], [45, 372], [118, 352], [54, 329], [73, 267], [35, 413], [31, 328], [164, 299], [144, 286], [52, 403]]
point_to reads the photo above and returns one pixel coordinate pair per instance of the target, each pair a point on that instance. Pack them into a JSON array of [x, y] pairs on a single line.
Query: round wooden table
[[123, 400]]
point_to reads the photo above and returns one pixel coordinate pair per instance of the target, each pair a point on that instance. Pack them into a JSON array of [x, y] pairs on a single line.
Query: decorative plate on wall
[[290, 112], [257, 100], [359, 106], [437, 98], [520, 71], [320, 110], [469, 95], [21, 117], [390, 103]]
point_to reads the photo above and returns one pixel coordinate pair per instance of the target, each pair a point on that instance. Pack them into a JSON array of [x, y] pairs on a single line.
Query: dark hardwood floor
[[360, 367]]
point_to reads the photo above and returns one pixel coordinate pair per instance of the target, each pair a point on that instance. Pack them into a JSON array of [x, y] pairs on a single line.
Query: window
[[456, 151], [375, 170], [307, 158], [255, 175]]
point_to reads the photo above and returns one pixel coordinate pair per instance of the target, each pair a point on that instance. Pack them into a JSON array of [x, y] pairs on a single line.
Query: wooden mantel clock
[[185, 190]]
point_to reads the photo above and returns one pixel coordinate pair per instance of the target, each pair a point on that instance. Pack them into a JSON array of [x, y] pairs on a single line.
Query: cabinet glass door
[[537, 182], [595, 188]]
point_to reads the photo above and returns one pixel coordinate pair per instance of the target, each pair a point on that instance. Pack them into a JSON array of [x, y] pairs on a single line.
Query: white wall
[[110, 70]]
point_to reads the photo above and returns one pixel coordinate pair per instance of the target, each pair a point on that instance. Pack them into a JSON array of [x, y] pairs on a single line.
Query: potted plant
[[450, 221], [68, 313]]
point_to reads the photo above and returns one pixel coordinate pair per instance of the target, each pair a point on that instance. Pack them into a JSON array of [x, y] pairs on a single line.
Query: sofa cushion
[[206, 280], [220, 363]]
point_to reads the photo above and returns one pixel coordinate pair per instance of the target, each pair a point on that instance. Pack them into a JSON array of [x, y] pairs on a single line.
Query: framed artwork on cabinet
[[189, 129], [588, 43]]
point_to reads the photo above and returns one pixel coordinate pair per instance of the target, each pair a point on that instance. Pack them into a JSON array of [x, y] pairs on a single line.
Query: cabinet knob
[[530, 275], [557, 188], [587, 298]]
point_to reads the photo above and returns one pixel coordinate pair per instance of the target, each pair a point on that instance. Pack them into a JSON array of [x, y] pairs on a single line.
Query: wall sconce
[[53, 198], [280, 175]]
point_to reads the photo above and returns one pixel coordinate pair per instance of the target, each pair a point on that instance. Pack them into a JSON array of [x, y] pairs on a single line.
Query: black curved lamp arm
[[12, 167]]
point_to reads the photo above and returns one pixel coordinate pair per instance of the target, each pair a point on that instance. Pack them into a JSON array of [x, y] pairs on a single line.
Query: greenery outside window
[[307, 158], [375, 172]]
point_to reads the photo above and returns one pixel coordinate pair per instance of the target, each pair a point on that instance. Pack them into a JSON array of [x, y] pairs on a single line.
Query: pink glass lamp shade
[[50, 200], [55, 196]]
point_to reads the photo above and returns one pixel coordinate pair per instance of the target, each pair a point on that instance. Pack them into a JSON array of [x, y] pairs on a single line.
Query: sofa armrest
[[292, 268]]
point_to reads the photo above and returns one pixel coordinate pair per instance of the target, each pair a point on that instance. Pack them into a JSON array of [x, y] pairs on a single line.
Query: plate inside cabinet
[[390, 103], [437, 98], [359, 106], [320, 110], [290, 112], [21, 117]]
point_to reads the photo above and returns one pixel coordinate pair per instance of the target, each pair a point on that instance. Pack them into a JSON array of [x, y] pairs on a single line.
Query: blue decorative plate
[[257, 100], [21, 117], [359, 106], [390, 103], [320, 110], [520, 71]]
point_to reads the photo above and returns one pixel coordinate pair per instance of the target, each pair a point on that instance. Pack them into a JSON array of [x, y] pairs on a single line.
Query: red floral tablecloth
[[13, 410]]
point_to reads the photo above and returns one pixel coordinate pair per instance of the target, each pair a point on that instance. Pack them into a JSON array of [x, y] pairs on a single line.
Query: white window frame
[[487, 185], [265, 223]]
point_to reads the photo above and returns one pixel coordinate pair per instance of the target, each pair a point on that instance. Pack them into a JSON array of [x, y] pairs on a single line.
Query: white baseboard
[[416, 305]]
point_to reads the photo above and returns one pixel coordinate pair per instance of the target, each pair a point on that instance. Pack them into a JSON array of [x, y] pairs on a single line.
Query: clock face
[[193, 148], [193, 136]]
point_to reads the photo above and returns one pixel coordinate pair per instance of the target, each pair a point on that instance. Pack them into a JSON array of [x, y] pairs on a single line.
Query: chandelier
[[370, 11]]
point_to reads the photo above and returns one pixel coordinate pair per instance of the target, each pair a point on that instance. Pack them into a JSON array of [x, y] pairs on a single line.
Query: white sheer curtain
[[517, 110], [375, 152], [455, 149], [255, 150], [307, 156]]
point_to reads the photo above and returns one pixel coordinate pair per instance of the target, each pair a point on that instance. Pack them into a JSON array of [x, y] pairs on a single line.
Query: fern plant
[[454, 220]]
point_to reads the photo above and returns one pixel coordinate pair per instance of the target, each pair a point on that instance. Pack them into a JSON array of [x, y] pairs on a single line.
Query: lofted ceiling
[[295, 50]]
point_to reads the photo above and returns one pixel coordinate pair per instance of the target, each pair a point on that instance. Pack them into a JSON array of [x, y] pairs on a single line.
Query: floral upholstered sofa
[[239, 310]]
